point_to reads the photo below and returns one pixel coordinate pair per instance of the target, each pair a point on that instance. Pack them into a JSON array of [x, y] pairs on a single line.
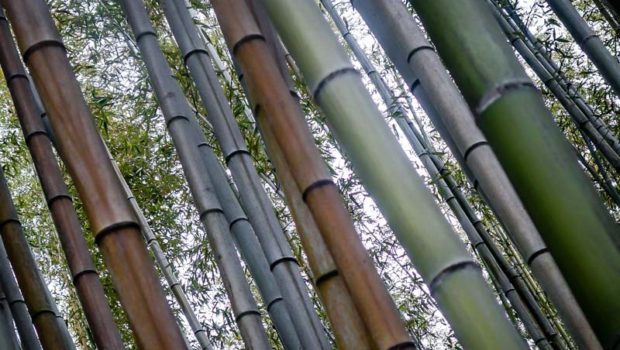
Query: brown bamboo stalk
[[278, 110], [112, 220], [83, 273], [42, 307]]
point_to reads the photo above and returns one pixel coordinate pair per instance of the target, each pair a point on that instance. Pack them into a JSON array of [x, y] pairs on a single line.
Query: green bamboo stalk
[[558, 196], [387, 173], [182, 127], [588, 40], [272, 242]]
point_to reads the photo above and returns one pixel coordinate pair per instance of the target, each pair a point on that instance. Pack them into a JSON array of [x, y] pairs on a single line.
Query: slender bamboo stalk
[[608, 13], [7, 332], [400, 193], [349, 330], [83, 273], [414, 57], [544, 170], [588, 40], [463, 211], [19, 310], [112, 220], [41, 305], [183, 129], [253, 197]]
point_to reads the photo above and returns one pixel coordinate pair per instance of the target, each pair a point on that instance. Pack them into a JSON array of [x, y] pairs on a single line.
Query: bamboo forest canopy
[[310, 174]]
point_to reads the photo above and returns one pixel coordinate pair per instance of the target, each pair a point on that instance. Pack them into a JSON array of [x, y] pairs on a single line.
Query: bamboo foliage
[[590, 43], [182, 128], [400, 193], [544, 171], [112, 220], [419, 64], [83, 273], [253, 197]]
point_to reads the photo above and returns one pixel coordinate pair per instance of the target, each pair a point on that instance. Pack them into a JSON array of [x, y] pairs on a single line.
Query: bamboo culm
[[449, 191], [254, 200], [84, 276], [6, 323], [187, 139], [607, 64], [414, 57], [544, 170]]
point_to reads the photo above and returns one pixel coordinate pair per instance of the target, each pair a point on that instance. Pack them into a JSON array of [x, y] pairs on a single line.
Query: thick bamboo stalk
[[452, 195], [253, 197], [112, 220], [388, 175], [83, 273], [53, 334], [7, 331], [537, 158], [279, 110], [182, 128], [414, 57], [23, 322], [588, 40]]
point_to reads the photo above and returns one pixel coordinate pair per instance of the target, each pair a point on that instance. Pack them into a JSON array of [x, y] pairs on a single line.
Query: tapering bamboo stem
[[83, 273], [414, 57], [588, 40], [369, 142], [19, 310], [112, 220], [182, 127], [52, 331], [253, 197], [544, 170]]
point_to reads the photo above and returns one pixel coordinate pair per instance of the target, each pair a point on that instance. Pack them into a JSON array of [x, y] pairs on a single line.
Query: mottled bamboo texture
[[52, 331], [83, 273], [419, 64], [535, 154], [606, 63], [278, 110], [111, 217], [183, 129]]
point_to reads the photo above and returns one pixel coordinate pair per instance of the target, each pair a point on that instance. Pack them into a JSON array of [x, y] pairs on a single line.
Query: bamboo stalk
[[19, 310], [8, 337], [52, 331], [182, 128], [399, 192], [84, 276], [544, 170], [253, 197], [112, 220], [588, 40], [414, 57]]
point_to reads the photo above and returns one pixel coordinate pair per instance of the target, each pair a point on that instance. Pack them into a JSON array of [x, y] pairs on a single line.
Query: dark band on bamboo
[[172, 119], [415, 84], [54, 198], [10, 78], [331, 76], [473, 147], [236, 220], [234, 153], [206, 212], [41, 44], [401, 346], [246, 39], [436, 281], [324, 277], [38, 313], [145, 33], [82, 273], [194, 51], [275, 300], [280, 260], [499, 91], [587, 38], [32, 134], [418, 49], [315, 185], [534, 255], [246, 313], [114, 228], [8, 221]]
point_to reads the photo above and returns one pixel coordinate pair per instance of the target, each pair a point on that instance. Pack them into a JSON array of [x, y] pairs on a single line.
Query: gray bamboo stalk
[[19, 310], [589, 41], [387, 173], [7, 321], [186, 138], [415, 58], [460, 206], [581, 120], [253, 197], [552, 67]]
